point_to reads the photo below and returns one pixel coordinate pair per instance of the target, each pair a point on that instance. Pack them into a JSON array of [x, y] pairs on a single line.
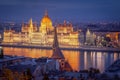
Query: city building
[[31, 34], [90, 37], [111, 39], [67, 36]]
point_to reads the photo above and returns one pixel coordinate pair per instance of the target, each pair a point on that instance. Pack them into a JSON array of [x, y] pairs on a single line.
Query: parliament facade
[[44, 35]]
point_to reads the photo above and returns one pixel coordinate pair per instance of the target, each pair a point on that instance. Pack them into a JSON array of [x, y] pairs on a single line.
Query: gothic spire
[[57, 54], [30, 22], [30, 26], [46, 12]]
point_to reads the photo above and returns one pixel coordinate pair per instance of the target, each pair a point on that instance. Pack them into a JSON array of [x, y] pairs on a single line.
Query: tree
[[45, 77], [116, 77], [107, 39], [29, 74], [1, 52]]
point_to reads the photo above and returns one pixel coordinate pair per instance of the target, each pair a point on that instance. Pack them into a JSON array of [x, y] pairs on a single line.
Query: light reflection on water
[[77, 59]]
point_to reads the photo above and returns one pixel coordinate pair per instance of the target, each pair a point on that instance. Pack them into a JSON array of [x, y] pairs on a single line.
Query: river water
[[78, 60]]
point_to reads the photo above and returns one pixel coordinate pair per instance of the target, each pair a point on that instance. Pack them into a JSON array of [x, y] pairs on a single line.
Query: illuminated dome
[[46, 24], [46, 20]]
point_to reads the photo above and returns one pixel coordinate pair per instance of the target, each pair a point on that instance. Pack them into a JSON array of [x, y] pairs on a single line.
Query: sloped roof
[[56, 50]]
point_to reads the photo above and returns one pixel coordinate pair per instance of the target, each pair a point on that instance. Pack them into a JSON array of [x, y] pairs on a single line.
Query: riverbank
[[84, 48]]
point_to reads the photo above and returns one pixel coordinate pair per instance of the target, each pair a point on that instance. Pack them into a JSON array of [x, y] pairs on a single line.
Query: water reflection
[[78, 60]]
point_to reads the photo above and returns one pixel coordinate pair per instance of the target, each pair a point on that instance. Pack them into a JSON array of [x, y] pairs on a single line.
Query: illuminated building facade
[[43, 35], [26, 27], [46, 24], [31, 34], [90, 37], [102, 37]]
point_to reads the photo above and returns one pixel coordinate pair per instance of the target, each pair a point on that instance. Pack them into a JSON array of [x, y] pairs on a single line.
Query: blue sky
[[60, 10]]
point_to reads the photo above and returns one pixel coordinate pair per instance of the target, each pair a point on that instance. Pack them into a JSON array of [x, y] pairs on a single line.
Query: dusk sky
[[60, 10]]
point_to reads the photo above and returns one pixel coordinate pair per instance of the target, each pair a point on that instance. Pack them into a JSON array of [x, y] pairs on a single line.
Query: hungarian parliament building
[[31, 34], [44, 35]]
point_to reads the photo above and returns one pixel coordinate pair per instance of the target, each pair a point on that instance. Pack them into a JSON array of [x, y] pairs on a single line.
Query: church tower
[[57, 54]]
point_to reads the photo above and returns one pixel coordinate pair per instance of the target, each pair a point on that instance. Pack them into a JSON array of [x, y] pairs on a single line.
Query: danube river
[[78, 60]]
